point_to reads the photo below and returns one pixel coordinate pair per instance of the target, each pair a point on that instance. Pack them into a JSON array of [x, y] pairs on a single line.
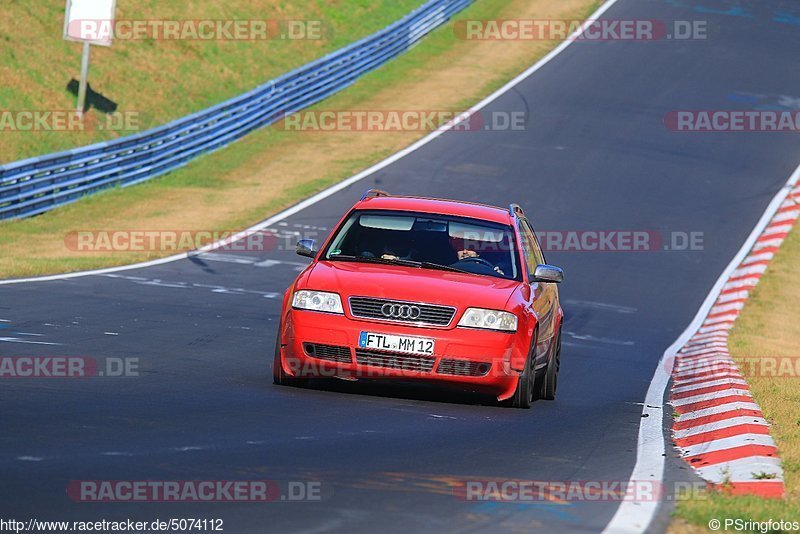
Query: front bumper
[[472, 360]]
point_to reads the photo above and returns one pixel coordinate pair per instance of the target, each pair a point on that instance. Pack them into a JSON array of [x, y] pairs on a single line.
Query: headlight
[[489, 320], [318, 301]]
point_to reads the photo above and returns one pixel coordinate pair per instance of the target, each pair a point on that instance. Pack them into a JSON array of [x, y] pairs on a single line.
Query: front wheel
[[550, 382], [526, 386], [279, 376]]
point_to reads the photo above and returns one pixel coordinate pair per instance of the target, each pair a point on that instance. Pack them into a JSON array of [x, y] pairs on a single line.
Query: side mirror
[[548, 273], [305, 247]]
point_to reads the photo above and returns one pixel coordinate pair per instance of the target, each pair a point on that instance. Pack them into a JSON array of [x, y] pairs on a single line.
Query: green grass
[[35, 246], [160, 80]]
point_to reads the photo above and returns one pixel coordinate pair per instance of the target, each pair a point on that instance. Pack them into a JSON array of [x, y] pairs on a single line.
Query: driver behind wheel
[[466, 254]]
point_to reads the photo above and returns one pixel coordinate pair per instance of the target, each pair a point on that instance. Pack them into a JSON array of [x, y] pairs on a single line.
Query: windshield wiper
[[404, 263], [366, 259], [439, 266]]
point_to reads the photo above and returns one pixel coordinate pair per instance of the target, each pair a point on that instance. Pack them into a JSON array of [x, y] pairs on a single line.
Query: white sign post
[[88, 22]]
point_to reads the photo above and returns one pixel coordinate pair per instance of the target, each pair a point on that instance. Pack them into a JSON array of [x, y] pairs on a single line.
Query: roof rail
[[516, 210], [372, 193]]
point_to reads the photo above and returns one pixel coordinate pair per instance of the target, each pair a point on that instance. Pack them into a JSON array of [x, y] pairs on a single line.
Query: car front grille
[[428, 314], [330, 353], [405, 362], [463, 368]]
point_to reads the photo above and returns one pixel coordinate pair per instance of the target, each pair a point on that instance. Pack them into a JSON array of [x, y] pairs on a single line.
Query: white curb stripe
[[704, 371], [719, 425], [786, 216], [731, 407], [734, 295], [707, 338], [743, 470], [703, 359], [711, 396], [726, 307], [729, 317], [706, 363], [746, 271], [710, 384], [776, 242], [764, 256], [700, 354], [698, 360], [715, 328], [732, 442], [727, 373]]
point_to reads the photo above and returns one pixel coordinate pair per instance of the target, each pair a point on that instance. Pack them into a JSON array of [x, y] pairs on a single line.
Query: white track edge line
[[636, 517], [334, 188]]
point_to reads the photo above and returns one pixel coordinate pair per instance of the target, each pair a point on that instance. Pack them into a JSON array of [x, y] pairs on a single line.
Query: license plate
[[404, 344]]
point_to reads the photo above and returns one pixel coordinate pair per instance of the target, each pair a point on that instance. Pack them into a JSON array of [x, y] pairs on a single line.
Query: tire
[[550, 382], [279, 377], [526, 390]]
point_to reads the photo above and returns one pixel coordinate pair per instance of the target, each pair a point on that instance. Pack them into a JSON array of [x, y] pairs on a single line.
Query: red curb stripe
[[733, 313], [688, 382], [746, 277], [693, 407], [710, 389], [691, 423], [713, 371], [730, 290], [772, 250], [788, 207], [702, 356], [768, 489], [722, 433], [727, 455]]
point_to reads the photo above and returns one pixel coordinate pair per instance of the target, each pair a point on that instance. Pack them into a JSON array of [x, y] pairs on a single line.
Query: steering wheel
[[481, 261]]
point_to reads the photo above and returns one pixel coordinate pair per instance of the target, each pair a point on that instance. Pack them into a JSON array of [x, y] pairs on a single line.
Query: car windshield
[[427, 241]]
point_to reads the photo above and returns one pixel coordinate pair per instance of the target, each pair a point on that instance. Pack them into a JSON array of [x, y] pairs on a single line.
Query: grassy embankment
[[273, 168]]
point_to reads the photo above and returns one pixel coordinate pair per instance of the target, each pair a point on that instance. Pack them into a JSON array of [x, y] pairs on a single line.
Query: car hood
[[410, 284]]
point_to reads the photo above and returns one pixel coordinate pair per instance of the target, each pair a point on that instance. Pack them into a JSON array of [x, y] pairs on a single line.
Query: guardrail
[[33, 186]]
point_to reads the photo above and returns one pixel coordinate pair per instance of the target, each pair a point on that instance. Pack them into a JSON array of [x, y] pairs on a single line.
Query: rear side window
[[532, 251]]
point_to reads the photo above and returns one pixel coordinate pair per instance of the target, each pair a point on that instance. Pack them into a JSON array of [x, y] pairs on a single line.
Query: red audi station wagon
[[420, 289]]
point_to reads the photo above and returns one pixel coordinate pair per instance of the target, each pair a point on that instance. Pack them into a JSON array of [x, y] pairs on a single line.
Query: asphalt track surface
[[595, 156]]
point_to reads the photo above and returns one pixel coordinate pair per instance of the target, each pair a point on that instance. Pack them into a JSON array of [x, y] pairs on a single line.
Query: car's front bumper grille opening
[[429, 314], [405, 362], [463, 368], [331, 353]]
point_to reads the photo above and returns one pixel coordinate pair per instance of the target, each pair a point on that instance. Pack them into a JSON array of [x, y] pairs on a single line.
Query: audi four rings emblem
[[401, 311]]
